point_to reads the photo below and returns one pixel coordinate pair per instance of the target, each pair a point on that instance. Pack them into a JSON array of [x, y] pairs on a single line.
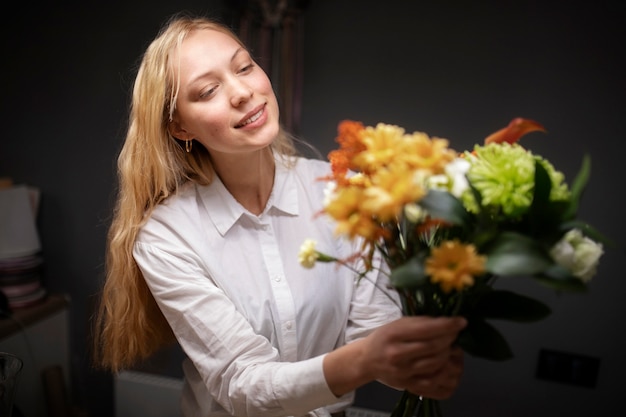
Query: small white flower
[[456, 171], [414, 213], [438, 182], [308, 255], [578, 254], [329, 192]]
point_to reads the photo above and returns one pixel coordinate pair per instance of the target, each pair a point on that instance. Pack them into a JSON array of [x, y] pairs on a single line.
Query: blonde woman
[[203, 249]]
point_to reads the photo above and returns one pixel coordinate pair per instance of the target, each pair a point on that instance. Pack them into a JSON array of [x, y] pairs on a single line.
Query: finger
[[436, 388], [424, 328], [429, 365], [440, 384], [414, 350]]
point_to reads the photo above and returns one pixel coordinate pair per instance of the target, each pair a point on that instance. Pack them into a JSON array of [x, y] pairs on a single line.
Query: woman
[[203, 249]]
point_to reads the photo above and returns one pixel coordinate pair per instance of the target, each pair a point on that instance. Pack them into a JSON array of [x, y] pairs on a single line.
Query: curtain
[[273, 30]]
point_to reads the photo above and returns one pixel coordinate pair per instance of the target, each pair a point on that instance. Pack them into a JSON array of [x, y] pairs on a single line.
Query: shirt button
[[277, 278], [288, 325]]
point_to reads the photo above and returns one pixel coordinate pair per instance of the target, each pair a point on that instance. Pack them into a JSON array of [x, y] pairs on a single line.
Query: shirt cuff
[[304, 386]]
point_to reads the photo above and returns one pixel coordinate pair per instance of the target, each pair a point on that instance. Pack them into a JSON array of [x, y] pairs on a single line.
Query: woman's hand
[[412, 353], [441, 384], [417, 354]]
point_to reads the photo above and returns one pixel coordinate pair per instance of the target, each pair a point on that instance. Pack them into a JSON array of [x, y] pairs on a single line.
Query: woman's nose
[[241, 92]]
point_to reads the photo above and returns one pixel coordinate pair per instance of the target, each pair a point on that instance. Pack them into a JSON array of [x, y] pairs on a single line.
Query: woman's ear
[[177, 131]]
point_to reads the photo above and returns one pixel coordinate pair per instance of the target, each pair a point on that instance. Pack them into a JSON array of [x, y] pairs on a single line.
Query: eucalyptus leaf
[[443, 205], [411, 274], [482, 340], [507, 305], [515, 254], [578, 187]]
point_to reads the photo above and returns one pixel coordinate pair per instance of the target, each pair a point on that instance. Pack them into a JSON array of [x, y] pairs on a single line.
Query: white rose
[[578, 254]]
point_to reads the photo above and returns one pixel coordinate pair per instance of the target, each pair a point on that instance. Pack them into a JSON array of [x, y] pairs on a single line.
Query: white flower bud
[[578, 254]]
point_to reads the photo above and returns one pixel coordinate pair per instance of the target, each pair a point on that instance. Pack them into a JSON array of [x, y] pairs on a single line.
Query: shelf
[[24, 317]]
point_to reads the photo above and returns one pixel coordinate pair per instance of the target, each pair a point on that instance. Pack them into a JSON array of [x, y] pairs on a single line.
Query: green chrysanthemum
[[504, 174]]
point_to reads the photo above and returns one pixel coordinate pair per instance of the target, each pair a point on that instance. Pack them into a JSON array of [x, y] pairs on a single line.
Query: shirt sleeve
[[240, 369], [374, 303]]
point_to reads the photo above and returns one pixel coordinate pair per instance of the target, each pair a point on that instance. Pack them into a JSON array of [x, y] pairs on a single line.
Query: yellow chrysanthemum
[[383, 145], [430, 154], [453, 265], [391, 170], [391, 189], [346, 207]]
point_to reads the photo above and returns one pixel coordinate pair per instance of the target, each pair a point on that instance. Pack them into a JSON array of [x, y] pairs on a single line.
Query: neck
[[248, 178]]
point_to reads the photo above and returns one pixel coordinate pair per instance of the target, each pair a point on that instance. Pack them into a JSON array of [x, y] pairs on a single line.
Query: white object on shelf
[[18, 229]]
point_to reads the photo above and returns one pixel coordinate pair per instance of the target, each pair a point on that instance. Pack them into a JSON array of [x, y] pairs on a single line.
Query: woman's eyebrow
[[209, 72]]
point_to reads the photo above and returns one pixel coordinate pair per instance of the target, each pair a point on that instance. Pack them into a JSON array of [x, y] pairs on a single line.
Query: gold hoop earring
[[188, 145]]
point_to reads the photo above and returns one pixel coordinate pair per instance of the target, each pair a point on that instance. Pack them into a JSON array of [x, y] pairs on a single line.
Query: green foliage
[[515, 247]]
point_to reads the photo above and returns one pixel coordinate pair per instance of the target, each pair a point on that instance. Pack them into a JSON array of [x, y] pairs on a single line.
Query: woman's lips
[[251, 117]]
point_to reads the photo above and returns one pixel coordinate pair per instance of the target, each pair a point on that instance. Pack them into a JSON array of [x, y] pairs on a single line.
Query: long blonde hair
[[152, 165]]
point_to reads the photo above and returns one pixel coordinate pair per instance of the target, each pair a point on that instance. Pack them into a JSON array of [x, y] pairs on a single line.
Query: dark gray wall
[[461, 70], [69, 69], [454, 69]]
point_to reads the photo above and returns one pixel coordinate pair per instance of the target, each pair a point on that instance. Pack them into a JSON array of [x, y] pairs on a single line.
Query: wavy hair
[[152, 165]]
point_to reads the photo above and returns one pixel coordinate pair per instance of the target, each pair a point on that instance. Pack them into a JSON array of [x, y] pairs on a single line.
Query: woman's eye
[[246, 68], [207, 92]]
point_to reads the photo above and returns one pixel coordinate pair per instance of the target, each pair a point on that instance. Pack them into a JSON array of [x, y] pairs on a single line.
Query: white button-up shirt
[[255, 325]]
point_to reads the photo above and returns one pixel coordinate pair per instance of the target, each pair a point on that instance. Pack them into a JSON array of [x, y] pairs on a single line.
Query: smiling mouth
[[251, 119]]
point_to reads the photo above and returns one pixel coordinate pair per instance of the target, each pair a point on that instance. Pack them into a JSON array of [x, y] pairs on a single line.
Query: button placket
[[282, 292]]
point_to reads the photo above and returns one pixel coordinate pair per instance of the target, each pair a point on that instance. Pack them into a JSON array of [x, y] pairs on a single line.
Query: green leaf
[[507, 305], [482, 340], [543, 186], [411, 274], [445, 206], [578, 187], [515, 254], [544, 215]]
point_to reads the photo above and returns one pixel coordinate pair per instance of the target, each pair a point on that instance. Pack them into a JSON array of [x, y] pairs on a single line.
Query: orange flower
[[517, 128], [454, 265], [350, 141]]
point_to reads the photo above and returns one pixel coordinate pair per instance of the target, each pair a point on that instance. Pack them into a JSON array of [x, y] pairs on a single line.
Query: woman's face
[[225, 101]]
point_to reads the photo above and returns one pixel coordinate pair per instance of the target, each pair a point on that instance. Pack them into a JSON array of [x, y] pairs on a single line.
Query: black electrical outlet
[[568, 368]]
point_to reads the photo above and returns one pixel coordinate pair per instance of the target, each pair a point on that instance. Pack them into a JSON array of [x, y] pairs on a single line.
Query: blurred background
[[453, 69]]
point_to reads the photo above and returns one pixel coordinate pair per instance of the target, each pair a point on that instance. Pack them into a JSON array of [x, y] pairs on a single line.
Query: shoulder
[[184, 200], [173, 216], [311, 169]]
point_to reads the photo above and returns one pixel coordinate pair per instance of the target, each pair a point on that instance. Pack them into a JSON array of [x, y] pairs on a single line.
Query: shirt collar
[[225, 211]]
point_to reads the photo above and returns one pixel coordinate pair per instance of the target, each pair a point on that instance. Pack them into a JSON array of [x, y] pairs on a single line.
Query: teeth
[[252, 119]]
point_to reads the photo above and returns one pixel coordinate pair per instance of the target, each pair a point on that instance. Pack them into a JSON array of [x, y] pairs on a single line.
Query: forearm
[[345, 368]]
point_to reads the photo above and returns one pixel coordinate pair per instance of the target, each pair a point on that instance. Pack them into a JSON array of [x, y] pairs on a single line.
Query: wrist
[[345, 368]]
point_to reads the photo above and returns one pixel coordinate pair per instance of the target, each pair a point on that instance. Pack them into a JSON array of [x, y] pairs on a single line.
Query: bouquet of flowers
[[450, 224]]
